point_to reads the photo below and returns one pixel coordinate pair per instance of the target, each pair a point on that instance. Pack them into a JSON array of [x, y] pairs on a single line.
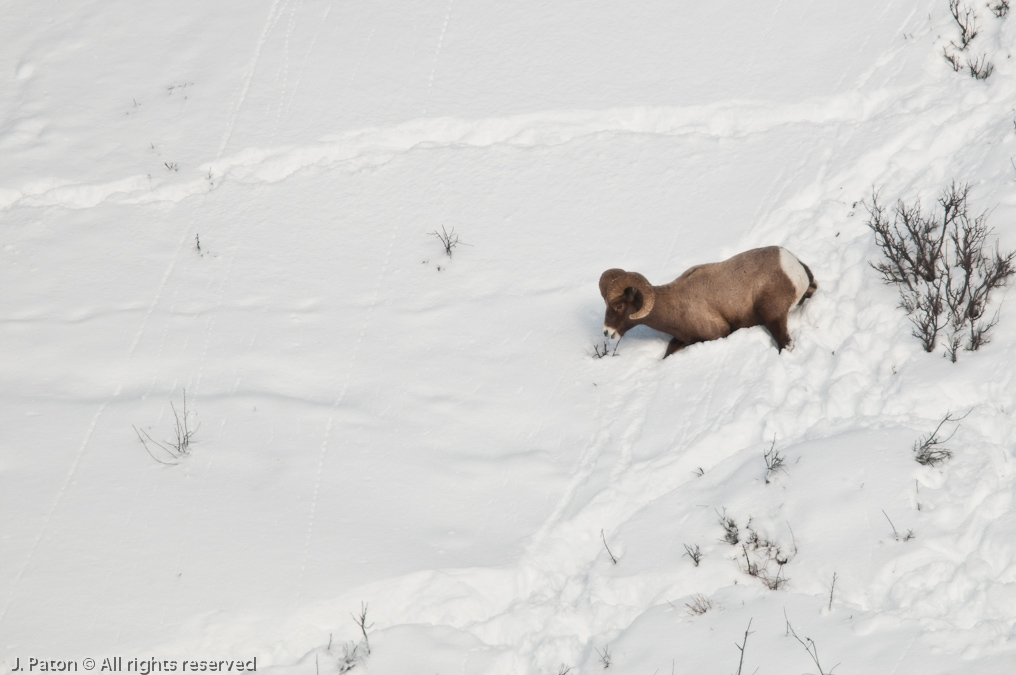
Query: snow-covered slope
[[432, 436]]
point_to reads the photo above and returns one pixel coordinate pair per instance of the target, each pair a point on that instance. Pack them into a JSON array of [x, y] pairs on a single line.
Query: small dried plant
[[693, 552], [929, 450], [980, 68], [759, 553], [179, 447], [699, 604], [599, 352], [449, 240], [731, 533], [896, 535], [605, 656], [774, 460], [809, 646]]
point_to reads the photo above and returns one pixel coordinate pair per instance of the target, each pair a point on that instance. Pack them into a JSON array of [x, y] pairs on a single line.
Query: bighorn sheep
[[708, 302]]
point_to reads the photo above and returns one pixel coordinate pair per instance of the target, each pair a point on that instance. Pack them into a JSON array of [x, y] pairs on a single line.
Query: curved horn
[[640, 283], [612, 283]]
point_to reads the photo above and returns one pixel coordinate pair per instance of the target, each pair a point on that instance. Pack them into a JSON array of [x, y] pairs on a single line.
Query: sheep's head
[[629, 297]]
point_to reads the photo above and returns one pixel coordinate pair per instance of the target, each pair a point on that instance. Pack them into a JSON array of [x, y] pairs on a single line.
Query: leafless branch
[[928, 450], [896, 535], [740, 647], [953, 60], [809, 646], [361, 621], [966, 19], [149, 451], [613, 559]]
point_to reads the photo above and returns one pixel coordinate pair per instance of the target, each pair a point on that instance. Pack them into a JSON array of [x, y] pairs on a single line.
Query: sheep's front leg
[[674, 346]]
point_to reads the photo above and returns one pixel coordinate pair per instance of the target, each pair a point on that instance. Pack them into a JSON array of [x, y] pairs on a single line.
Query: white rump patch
[[794, 270]]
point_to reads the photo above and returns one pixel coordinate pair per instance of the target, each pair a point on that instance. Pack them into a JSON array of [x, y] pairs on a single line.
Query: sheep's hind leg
[[674, 346], [778, 329]]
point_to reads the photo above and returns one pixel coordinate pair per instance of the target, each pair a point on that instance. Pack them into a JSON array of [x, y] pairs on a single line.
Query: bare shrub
[[929, 451], [966, 20], [971, 273], [774, 460], [980, 68], [731, 533], [953, 60], [695, 553], [896, 535], [809, 646], [449, 240], [760, 554], [354, 654], [699, 605], [351, 657], [361, 621], [599, 352], [175, 449], [604, 656], [943, 268]]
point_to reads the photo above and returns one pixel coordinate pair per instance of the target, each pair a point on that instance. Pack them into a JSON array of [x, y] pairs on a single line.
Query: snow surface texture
[[382, 424]]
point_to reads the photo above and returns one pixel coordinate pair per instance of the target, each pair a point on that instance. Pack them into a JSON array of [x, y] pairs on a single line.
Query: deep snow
[[440, 443]]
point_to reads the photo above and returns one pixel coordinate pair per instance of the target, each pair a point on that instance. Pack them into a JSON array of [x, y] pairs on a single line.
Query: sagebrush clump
[[944, 268], [965, 18]]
